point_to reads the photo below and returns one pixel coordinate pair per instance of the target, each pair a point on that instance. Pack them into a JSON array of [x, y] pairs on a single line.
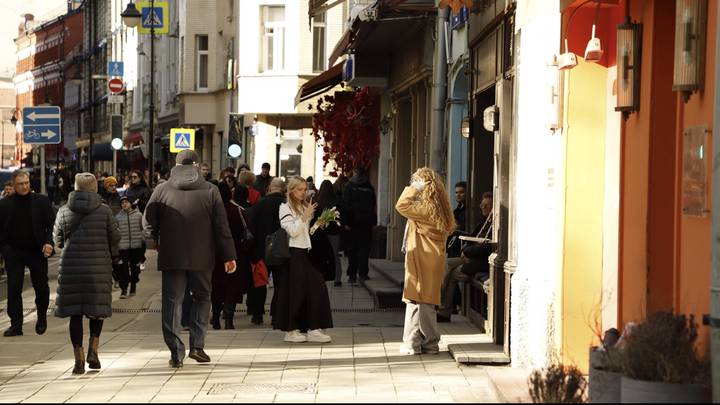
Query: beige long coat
[[425, 251]]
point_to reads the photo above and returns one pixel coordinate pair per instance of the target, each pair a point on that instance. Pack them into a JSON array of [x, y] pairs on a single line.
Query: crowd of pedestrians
[[219, 241]]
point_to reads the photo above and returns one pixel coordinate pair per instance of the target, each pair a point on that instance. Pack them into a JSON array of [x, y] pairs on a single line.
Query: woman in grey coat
[[88, 234]]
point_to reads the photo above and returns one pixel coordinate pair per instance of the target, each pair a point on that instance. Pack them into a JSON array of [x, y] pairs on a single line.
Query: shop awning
[[133, 138], [340, 47], [320, 83]]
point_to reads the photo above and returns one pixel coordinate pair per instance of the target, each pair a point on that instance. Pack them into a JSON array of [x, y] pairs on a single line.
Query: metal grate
[[227, 388]]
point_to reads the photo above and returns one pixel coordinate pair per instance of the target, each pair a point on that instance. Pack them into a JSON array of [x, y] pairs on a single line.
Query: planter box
[[636, 391], [604, 386]]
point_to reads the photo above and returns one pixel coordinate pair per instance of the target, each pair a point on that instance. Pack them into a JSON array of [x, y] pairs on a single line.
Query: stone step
[[383, 285], [391, 271]]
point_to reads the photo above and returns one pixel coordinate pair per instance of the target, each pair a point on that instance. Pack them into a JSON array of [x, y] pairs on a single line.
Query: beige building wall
[[271, 94], [7, 130], [207, 107]]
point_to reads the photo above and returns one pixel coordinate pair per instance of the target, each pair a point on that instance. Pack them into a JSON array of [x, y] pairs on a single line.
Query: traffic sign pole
[[43, 189]]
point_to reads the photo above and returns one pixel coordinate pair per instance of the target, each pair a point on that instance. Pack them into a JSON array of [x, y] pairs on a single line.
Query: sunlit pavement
[[249, 364]]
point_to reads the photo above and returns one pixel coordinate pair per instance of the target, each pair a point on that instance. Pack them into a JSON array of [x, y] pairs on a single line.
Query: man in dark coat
[[187, 220], [453, 249], [262, 181], [26, 226], [264, 221], [358, 213], [473, 261]]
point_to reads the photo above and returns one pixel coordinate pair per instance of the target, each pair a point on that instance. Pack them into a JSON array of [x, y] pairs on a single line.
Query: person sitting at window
[[473, 260]]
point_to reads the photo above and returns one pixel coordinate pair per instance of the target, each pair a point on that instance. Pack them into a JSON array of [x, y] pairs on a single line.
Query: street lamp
[[131, 18]]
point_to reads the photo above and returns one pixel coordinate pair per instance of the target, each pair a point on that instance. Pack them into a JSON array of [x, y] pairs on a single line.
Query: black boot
[[132, 289], [92, 355], [79, 360], [216, 312], [229, 314]]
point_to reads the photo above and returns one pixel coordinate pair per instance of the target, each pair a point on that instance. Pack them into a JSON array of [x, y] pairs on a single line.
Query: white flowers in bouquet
[[328, 216]]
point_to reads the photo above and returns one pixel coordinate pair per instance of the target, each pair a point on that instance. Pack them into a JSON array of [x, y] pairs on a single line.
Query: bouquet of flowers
[[328, 216]]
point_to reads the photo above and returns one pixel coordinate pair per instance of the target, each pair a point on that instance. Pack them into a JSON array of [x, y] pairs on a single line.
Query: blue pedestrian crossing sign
[[116, 69], [153, 16], [42, 125], [182, 139]]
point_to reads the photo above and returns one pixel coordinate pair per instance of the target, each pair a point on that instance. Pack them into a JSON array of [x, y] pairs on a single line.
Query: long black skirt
[[302, 300]]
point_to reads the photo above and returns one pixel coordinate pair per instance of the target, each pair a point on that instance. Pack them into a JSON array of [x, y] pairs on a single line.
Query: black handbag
[[246, 237], [277, 247]]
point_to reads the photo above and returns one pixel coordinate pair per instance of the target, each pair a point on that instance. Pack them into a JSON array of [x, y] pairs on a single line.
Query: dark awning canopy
[[320, 83]]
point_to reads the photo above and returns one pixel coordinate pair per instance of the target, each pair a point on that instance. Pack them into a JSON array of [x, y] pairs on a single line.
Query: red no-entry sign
[[116, 85]]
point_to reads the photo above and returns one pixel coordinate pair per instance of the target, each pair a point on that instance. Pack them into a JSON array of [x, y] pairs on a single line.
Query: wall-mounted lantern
[[690, 31], [629, 55], [491, 118], [465, 128]]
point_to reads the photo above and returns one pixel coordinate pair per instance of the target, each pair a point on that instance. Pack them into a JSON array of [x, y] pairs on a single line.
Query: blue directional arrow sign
[[42, 125]]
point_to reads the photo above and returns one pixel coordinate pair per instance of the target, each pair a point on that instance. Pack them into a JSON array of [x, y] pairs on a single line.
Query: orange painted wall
[[678, 250], [692, 286]]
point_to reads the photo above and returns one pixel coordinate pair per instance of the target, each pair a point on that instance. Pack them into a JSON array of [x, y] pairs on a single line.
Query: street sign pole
[[43, 189], [114, 170]]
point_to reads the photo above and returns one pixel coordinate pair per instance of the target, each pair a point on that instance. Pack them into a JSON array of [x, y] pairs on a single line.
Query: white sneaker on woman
[[295, 337], [317, 335]]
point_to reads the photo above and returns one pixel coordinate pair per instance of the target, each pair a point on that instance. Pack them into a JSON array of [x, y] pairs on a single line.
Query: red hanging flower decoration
[[349, 125]]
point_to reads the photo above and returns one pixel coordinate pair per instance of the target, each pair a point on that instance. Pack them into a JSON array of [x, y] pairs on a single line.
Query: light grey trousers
[[421, 331]]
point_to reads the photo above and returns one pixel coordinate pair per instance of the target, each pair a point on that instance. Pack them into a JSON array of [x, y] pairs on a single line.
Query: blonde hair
[[294, 183], [436, 198], [246, 178]]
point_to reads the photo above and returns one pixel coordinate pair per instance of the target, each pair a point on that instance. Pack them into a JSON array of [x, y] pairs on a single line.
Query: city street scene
[[359, 201]]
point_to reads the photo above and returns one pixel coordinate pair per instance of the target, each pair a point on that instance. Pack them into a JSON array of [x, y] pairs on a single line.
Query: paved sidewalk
[[250, 364]]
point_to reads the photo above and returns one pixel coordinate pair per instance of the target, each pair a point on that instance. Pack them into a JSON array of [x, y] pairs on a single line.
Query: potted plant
[[557, 384], [661, 363], [605, 369]]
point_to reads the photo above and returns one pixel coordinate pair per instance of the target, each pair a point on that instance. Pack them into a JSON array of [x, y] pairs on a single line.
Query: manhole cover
[[226, 388]]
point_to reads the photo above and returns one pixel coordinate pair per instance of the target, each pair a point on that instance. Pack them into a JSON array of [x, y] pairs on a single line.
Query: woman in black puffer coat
[[88, 234]]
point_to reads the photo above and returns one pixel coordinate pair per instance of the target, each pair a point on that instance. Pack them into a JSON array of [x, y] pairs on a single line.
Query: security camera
[[593, 51]]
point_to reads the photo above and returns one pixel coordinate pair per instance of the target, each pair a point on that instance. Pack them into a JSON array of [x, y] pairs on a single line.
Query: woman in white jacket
[[303, 302]]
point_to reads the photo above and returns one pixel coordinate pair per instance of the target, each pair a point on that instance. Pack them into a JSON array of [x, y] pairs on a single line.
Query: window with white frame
[[201, 65], [272, 38], [319, 29]]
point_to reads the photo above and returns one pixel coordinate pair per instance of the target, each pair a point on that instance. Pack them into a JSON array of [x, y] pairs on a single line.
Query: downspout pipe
[[439, 94], [714, 320]]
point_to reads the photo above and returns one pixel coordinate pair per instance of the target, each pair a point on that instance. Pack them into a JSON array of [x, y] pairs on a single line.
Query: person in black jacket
[[138, 192], [473, 260], [264, 221], [26, 225], [453, 249], [358, 214], [262, 180]]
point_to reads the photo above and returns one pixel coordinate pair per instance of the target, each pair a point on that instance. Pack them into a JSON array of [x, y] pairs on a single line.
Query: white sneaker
[[142, 266], [116, 285], [407, 350], [295, 337], [317, 335]]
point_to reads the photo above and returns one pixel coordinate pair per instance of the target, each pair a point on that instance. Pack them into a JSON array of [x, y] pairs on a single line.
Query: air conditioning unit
[[364, 72]]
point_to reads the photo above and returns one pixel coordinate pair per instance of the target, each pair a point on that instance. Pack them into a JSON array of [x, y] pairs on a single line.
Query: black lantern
[[629, 55], [131, 16]]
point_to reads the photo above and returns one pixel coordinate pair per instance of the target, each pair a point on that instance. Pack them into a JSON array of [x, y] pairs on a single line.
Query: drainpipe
[[715, 274], [439, 94]]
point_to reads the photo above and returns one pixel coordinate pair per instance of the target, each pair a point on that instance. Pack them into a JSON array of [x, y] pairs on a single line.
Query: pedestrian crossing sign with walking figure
[[182, 139], [153, 15]]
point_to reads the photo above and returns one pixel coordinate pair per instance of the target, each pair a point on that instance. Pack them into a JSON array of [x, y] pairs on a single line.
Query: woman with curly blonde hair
[[426, 206]]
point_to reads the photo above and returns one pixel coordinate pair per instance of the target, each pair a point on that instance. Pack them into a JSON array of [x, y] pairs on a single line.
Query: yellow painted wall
[[585, 112]]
